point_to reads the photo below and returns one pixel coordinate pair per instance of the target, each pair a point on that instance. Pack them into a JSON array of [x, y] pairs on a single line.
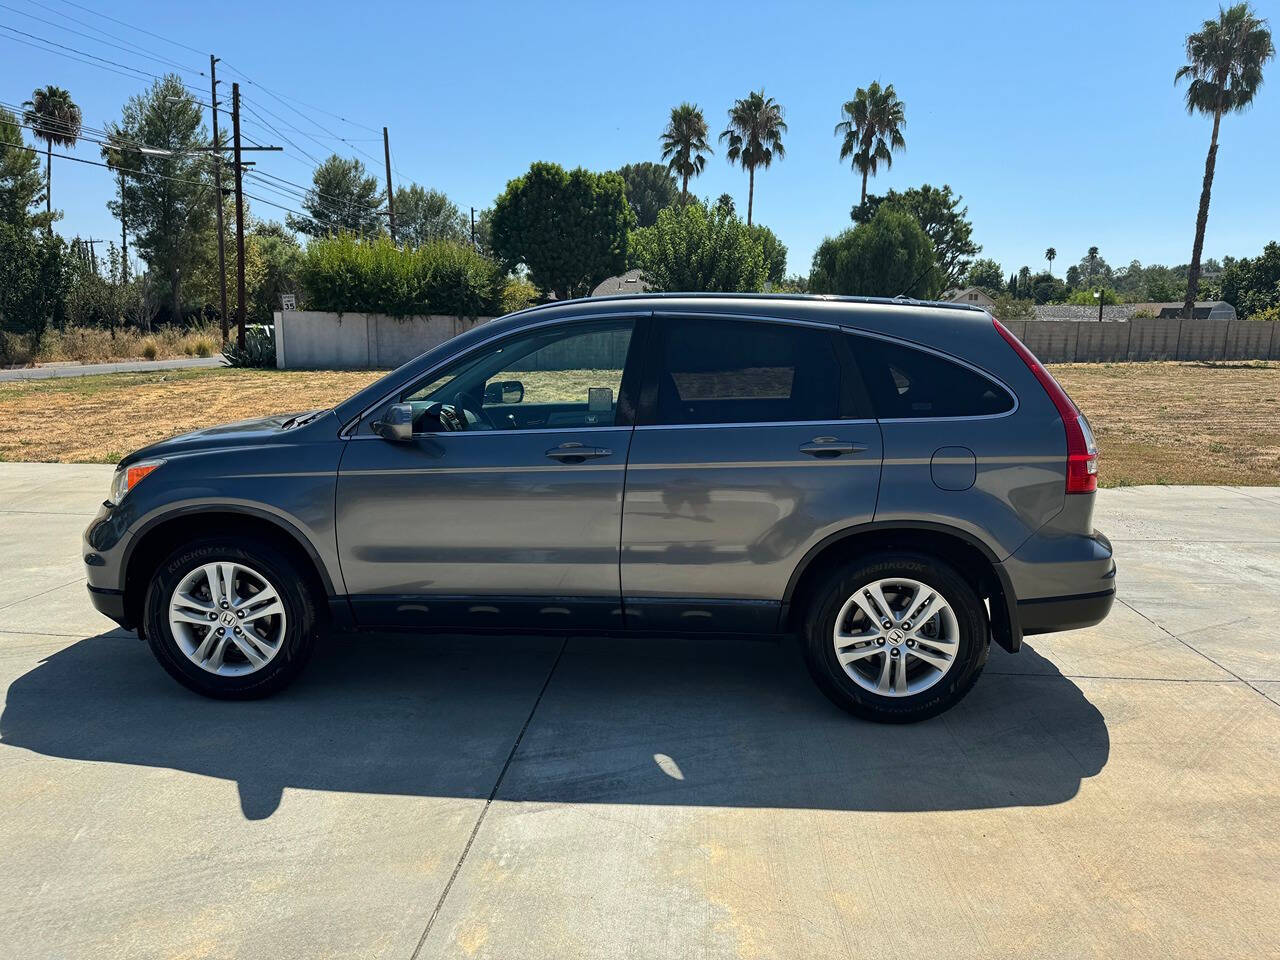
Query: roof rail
[[800, 297]]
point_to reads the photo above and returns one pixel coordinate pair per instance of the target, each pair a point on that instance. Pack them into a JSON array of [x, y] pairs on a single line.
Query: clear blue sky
[[1059, 124]]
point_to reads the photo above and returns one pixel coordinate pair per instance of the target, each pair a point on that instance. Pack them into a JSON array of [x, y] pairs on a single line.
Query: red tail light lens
[[1082, 452]]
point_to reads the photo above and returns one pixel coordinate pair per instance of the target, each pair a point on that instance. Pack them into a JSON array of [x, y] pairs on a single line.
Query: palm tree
[[872, 130], [1092, 257], [684, 143], [54, 118], [1225, 71], [755, 137], [1051, 255]]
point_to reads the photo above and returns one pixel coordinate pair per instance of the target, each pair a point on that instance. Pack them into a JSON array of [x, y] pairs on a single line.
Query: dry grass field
[[1155, 422]]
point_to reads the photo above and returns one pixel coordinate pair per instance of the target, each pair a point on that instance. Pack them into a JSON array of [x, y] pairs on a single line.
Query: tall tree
[[425, 216], [871, 130], [54, 118], [21, 186], [1051, 255], [168, 191], [888, 256], [1224, 70], [755, 137], [1091, 263], [650, 188], [939, 212], [343, 196], [987, 274], [569, 227], [684, 144]]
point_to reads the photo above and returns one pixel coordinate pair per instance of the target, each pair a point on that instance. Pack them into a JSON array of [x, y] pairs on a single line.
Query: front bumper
[[110, 603]]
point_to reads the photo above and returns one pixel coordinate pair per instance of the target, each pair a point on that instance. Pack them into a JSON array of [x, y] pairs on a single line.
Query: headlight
[[126, 478]]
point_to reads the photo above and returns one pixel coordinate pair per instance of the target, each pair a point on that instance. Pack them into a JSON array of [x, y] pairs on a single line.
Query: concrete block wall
[[360, 341], [315, 340]]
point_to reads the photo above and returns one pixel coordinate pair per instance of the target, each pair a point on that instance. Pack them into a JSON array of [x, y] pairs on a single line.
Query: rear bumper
[[1061, 582], [1048, 614]]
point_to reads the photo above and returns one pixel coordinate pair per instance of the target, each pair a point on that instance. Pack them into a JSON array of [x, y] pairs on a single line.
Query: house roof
[[629, 282]]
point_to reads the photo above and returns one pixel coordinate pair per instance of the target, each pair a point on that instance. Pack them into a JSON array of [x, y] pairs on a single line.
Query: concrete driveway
[[1108, 792]]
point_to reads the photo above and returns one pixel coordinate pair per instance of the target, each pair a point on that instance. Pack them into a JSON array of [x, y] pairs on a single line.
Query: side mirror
[[503, 391], [396, 424]]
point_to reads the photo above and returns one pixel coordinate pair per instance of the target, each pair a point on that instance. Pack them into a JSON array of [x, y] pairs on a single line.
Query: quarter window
[[736, 371], [905, 383]]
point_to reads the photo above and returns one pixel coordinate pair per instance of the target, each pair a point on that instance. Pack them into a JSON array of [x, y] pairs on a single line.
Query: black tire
[[282, 573], [820, 654]]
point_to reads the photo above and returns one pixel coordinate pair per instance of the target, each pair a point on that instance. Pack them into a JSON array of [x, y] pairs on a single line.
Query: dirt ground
[[1155, 422]]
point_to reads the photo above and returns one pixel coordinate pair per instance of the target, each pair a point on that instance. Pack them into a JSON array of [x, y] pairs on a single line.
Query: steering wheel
[[470, 412]]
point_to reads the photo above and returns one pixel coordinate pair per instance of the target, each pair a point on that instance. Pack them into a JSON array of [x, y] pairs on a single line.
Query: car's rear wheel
[[230, 618], [896, 637]]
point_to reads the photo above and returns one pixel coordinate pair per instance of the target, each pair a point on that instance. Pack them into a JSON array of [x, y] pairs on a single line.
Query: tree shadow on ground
[[721, 723]]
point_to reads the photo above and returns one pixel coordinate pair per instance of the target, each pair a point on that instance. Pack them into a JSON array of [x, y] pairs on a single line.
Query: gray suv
[[898, 483]]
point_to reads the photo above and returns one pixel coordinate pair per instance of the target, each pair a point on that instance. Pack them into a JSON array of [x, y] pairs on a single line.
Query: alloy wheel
[[896, 637], [227, 618]]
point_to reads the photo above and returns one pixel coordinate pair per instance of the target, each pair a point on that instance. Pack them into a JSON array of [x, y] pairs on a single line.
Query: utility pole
[[391, 202], [473, 228], [235, 125], [93, 252], [124, 236], [217, 185]]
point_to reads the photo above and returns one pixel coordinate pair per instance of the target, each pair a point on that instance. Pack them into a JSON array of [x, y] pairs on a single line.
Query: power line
[[282, 96], [96, 136], [123, 23], [132, 75], [269, 126], [125, 45], [76, 54], [107, 166]]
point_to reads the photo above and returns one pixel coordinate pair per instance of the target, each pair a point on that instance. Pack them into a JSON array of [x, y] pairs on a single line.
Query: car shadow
[[723, 723]]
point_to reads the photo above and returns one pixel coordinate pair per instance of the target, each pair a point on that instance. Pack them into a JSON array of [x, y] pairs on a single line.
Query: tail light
[[1082, 452]]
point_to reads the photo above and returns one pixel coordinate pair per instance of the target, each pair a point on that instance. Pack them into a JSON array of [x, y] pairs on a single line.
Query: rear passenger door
[[753, 442]]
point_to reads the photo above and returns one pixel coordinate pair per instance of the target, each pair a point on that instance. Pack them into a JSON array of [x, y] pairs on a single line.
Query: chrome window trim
[[497, 433], [756, 424], [951, 358], [354, 422]]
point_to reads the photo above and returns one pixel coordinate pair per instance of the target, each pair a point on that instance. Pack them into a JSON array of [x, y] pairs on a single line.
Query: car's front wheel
[[896, 637], [230, 618]]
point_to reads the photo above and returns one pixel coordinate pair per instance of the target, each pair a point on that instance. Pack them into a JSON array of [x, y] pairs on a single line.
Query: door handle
[[826, 448], [577, 453]]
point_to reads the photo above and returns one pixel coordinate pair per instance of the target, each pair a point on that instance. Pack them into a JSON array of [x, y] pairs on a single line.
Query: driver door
[[512, 518]]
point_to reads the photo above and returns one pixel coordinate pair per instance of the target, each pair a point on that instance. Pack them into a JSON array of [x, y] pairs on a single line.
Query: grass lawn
[[1155, 422]]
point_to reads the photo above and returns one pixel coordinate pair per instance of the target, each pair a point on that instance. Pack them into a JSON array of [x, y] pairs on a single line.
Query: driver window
[[566, 377]]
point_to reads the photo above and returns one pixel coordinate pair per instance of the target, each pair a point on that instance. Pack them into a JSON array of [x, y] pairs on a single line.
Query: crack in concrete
[[457, 868]]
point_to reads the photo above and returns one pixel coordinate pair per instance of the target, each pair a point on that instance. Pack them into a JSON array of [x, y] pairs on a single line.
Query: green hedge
[[347, 274]]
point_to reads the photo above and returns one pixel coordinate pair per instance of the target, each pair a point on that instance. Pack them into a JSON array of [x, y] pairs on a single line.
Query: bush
[[1009, 308], [517, 293], [888, 256], [149, 349], [345, 274], [1086, 298], [259, 348], [695, 249]]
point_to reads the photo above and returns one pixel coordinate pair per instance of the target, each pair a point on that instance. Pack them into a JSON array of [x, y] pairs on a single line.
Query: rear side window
[[736, 371], [905, 383]]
